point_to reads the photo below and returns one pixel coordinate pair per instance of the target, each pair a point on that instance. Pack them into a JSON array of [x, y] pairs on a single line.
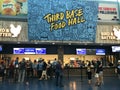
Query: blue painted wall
[[40, 29]]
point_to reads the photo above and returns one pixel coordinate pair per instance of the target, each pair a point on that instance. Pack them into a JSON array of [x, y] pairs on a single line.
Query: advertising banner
[[108, 12], [13, 8], [108, 34], [56, 20], [13, 31]]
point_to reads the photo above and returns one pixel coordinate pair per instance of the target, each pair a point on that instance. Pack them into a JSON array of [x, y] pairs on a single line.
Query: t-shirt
[[22, 65]]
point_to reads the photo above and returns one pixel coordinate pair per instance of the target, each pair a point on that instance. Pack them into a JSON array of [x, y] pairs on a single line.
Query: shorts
[[101, 73], [96, 75], [44, 72]]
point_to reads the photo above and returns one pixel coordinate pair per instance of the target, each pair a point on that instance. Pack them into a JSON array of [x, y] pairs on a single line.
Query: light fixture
[[53, 43]]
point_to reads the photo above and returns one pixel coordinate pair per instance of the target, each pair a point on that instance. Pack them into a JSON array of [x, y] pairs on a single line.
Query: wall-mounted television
[[40, 50], [29, 51], [100, 51], [81, 51], [91, 51], [0, 47], [18, 50], [115, 48]]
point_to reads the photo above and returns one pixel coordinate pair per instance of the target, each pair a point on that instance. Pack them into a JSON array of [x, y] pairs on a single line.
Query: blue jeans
[[21, 76], [59, 78]]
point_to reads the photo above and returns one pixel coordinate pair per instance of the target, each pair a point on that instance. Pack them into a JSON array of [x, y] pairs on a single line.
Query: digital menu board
[[81, 51], [40, 50], [29, 50], [115, 48], [18, 50], [100, 51], [91, 51], [0, 47]]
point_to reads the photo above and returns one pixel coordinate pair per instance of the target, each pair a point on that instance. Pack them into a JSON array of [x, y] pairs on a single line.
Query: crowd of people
[[23, 70]]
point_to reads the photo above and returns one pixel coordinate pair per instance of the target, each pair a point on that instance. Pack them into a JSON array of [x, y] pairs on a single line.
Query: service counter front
[[107, 71]]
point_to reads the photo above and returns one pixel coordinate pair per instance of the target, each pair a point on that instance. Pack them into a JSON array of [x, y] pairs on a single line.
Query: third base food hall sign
[[61, 20], [67, 20]]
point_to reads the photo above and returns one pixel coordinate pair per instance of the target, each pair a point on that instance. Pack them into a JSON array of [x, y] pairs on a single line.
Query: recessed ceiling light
[[53, 43], [18, 42]]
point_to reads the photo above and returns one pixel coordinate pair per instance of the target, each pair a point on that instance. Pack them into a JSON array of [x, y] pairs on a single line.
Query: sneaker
[[27, 83], [40, 78]]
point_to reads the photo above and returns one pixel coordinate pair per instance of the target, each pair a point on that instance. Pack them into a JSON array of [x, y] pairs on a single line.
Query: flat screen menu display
[[81, 51], [115, 48], [40, 50], [91, 52], [100, 51], [0, 47], [18, 50], [29, 51]]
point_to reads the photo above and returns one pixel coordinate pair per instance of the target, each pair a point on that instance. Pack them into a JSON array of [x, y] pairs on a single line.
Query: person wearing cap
[[118, 69]]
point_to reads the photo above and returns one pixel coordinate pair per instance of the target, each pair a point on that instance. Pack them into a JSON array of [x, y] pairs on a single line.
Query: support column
[[60, 53]]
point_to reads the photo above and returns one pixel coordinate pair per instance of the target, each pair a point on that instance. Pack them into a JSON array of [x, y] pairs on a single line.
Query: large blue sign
[[57, 20]]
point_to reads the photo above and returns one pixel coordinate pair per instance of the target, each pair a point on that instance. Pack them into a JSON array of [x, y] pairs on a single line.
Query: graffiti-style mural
[[56, 20]]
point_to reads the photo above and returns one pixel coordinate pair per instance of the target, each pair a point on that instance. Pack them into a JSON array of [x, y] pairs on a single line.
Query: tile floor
[[71, 83]]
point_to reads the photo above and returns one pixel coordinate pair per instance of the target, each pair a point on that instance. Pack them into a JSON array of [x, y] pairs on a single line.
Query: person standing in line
[[11, 71], [89, 74], [16, 62], [49, 70], [2, 70], [44, 71], [39, 69], [97, 71], [101, 73], [22, 68], [16, 71], [28, 71], [59, 73], [34, 66], [54, 66], [117, 70]]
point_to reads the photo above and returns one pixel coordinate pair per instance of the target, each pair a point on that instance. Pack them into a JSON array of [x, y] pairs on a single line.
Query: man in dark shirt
[[99, 73], [22, 67], [59, 73]]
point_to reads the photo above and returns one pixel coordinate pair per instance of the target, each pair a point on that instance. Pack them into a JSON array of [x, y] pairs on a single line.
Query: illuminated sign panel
[[0, 47], [81, 51], [100, 51], [13, 31], [115, 35], [18, 50], [115, 48], [40, 50], [29, 51]]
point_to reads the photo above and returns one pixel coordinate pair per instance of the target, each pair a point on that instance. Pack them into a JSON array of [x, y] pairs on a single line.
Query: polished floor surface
[[71, 83]]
